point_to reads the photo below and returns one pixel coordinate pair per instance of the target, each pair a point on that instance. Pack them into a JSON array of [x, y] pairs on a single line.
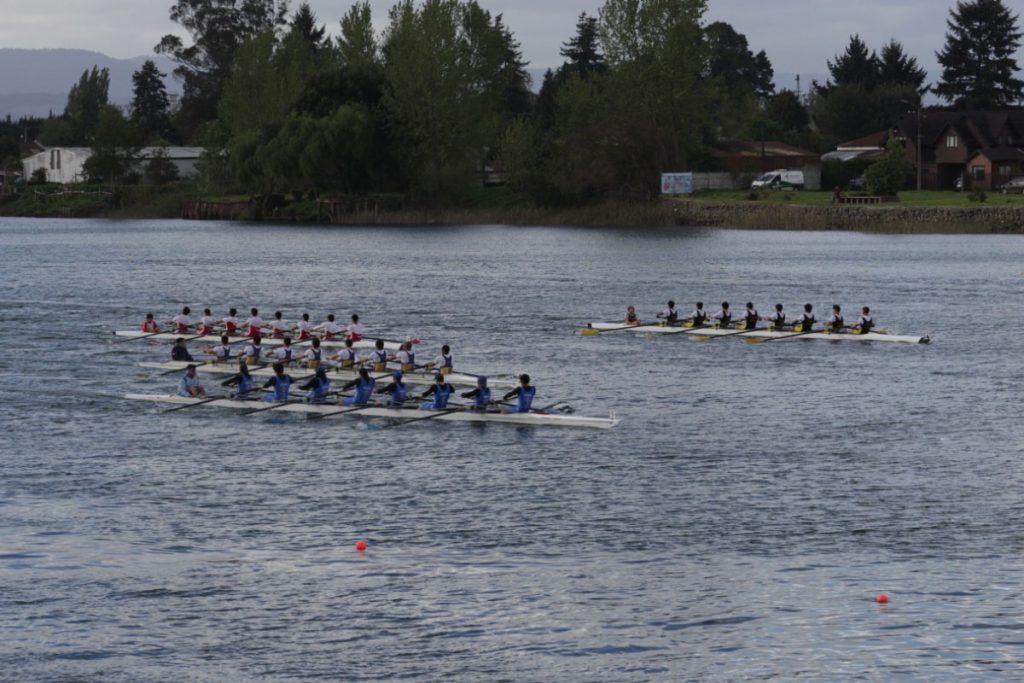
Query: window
[[1005, 170], [58, 159], [53, 157], [978, 172], [952, 141]]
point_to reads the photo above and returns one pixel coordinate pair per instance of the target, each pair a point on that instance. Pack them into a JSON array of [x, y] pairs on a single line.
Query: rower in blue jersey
[[378, 357], [279, 384], [243, 381], [317, 387], [481, 395], [189, 385], [523, 394], [222, 352], [346, 357], [397, 391], [313, 354], [444, 362], [405, 357], [364, 386], [253, 350], [441, 392]]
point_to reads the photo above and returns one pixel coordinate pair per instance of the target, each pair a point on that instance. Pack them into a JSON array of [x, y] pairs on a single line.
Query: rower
[[750, 317], [631, 316], [441, 391], [347, 356], [313, 354], [179, 352], [279, 384], [524, 394], [443, 362], [724, 316], [282, 353], [670, 314], [481, 395], [355, 330], [243, 382], [865, 323], [405, 357], [183, 320], [835, 321], [189, 386], [317, 387], [397, 390], [778, 318], [329, 327], [206, 322], [150, 325], [378, 357], [231, 322], [304, 327], [699, 316], [222, 352], [253, 351], [806, 321], [278, 326], [255, 323], [364, 386]]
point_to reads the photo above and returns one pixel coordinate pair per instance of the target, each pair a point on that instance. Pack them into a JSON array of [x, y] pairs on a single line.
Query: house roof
[[756, 149], [1004, 153], [872, 141]]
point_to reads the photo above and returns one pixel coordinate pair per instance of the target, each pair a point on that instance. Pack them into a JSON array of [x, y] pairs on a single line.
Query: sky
[[798, 35]]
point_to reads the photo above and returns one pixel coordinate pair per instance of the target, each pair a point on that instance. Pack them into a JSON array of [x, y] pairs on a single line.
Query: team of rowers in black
[[749, 318]]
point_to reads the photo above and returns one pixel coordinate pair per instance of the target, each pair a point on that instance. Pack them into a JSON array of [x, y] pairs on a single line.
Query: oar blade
[[589, 332]]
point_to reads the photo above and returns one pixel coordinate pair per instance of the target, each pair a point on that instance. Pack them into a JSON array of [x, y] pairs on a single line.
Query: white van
[[779, 180]]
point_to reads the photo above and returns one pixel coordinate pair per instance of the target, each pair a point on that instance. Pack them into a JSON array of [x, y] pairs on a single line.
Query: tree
[[115, 148], [730, 61], [305, 24], [978, 65], [150, 105], [856, 66], [889, 175], [895, 67], [217, 29], [85, 101], [159, 169], [583, 52], [786, 110]]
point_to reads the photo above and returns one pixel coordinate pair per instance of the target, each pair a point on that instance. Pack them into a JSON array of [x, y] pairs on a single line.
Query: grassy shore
[[914, 199]]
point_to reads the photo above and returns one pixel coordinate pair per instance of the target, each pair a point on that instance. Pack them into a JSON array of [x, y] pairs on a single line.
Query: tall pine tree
[[978, 65], [856, 66], [150, 105], [895, 67]]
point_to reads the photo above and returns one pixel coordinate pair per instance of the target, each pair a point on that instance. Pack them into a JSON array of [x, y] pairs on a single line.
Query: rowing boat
[[267, 341], [609, 328], [540, 419], [334, 374]]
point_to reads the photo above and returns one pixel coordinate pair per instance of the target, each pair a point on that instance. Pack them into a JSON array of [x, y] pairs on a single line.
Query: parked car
[[1015, 186], [779, 180]]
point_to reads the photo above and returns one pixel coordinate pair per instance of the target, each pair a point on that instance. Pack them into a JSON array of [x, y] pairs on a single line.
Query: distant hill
[[35, 82]]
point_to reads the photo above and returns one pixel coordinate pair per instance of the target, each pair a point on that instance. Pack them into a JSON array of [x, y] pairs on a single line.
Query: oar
[[198, 403], [174, 370], [274, 405], [343, 411], [439, 413], [590, 331], [762, 340]]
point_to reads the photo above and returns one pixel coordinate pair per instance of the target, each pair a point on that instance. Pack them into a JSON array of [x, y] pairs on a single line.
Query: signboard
[[677, 183]]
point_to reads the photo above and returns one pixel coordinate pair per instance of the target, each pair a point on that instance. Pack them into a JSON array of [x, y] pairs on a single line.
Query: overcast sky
[[798, 35]]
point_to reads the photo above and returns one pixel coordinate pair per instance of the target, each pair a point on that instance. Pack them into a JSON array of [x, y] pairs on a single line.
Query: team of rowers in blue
[[749, 318]]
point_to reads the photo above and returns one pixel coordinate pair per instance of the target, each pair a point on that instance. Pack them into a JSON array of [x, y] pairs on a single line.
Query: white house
[[64, 164]]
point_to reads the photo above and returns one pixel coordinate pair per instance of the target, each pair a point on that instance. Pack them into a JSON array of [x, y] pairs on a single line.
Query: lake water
[[736, 526]]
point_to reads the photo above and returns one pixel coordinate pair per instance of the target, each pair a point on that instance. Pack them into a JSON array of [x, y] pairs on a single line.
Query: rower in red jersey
[[278, 326], [206, 323], [304, 327], [150, 325], [330, 328], [231, 322], [183, 321], [355, 330], [255, 322]]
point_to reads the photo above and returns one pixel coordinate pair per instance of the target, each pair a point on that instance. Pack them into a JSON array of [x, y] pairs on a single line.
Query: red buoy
[[360, 546], [881, 598]]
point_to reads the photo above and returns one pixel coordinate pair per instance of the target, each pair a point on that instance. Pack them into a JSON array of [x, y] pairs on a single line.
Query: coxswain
[[330, 327], [670, 314], [243, 382], [317, 387], [189, 385], [304, 327], [523, 394], [279, 384], [364, 386], [222, 352], [750, 317], [806, 321], [253, 351], [778, 318], [835, 321], [378, 357], [179, 352], [313, 354], [355, 330], [865, 323], [405, 357], [283, 353], [481, 395], [150, 325], [231, 322], [699, 316], [346, 357], [441, 392], [205, 325], [444, 363], [396, 391], [278, 326], [724, 315], [183, 320], [255, 323], [631, 316]]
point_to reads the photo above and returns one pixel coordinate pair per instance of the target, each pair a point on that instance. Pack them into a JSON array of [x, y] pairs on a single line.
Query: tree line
[[439, 99]]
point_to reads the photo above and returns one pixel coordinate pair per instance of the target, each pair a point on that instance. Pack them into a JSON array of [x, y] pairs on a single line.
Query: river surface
[[736, 526]]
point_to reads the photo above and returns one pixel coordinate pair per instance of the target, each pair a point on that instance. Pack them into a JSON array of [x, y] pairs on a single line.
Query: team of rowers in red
[[254, 325], [749, 318]]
